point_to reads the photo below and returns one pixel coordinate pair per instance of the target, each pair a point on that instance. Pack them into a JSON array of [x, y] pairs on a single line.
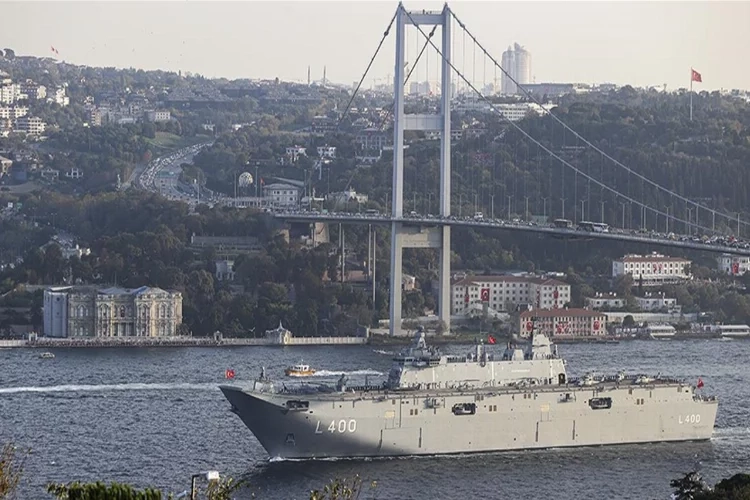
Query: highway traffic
[[162, 176], [713, 243]]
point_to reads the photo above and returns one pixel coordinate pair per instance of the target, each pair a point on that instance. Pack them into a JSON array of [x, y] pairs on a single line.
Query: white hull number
[[340, 426], [689, 419]]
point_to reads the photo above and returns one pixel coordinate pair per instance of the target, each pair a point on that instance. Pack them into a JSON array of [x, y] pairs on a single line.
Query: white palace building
[[82, 311]]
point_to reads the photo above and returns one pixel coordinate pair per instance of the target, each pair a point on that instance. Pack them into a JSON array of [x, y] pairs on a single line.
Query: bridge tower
[[404, 234]]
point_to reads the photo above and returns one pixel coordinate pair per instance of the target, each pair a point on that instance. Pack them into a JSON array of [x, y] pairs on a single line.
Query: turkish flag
[[695, 76], [700, 383], [491, 339]]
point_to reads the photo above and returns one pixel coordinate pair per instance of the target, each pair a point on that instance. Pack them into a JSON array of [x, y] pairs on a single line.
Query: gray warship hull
[[360, 423]]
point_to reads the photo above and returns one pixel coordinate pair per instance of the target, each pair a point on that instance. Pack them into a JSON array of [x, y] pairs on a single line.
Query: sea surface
[[155, 416]]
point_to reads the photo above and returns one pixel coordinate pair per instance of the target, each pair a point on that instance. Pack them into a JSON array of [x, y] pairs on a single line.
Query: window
[[464, 409]]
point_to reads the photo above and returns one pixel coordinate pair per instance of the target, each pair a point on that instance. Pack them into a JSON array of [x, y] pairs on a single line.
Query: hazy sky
[[642, 43]]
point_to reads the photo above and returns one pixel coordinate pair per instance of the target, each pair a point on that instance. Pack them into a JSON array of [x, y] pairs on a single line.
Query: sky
[[623, 42]]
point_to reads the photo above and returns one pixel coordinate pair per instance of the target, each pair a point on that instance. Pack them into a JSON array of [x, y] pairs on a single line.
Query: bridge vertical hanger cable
[[354, 94], [387, 114], [586, 141], [535, 141], [389, 111]]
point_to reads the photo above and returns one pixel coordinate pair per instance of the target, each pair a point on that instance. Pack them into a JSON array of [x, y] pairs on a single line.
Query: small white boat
[[47, 355], [299, 370]]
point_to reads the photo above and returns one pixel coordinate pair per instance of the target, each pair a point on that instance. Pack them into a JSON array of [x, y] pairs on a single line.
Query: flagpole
[[691, 94]]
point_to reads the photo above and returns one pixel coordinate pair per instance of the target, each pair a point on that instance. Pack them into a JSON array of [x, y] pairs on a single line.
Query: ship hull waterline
[[416, 423]]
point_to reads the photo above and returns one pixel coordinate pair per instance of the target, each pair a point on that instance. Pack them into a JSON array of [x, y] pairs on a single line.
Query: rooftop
[[654, 257], [475, 280], [553, 313]]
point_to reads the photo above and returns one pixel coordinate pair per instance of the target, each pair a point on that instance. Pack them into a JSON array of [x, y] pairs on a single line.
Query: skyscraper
[[517, 62]]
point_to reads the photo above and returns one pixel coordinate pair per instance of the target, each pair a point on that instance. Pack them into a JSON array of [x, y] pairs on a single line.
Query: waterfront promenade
[[179, 342]]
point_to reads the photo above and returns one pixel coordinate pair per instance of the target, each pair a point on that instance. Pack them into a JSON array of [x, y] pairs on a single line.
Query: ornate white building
[[111, 312], [653, 269]]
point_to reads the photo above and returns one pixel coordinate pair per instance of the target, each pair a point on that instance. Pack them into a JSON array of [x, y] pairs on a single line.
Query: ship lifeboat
[[299, 371]]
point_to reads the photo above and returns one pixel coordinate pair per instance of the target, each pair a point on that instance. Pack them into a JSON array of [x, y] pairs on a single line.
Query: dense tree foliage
[[693, 487]]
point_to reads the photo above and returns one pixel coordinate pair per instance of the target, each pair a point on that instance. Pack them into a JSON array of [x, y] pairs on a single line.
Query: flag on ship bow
[[700, 383]]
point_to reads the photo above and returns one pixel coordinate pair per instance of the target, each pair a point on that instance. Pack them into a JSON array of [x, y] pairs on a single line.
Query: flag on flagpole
[[491, 339], [694, 77], [700, 383]]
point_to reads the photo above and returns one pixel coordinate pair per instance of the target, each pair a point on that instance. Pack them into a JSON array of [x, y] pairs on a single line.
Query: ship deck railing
[[601, 383]]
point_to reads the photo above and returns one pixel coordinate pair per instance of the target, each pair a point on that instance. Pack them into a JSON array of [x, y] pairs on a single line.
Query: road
[[162, 175], [717, 244]]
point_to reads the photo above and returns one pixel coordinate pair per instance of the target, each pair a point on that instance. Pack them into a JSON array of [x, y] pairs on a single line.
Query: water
[[155, 416]]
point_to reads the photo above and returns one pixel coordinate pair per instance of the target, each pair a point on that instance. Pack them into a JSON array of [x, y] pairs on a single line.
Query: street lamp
[[209, 476], [510, 197], [527, 208], [623, 203]]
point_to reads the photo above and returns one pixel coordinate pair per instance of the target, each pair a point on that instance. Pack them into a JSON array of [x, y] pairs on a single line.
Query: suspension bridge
[[673, 220]]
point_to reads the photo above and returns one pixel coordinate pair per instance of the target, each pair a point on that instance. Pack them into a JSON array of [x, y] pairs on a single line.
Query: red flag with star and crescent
[[695, 76]]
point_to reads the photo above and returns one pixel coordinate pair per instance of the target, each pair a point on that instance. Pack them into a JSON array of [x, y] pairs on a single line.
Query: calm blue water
[[155, 416]]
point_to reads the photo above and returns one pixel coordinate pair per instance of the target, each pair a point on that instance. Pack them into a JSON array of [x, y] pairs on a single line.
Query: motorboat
[[47, 355], [299, 370]]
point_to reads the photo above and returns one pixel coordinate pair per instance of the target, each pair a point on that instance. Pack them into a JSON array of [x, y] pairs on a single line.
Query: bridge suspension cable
[[367, 70], [542, 146], [389, 111], [586, 141]]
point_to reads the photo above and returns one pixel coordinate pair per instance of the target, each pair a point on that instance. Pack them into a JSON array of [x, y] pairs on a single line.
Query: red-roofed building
[[505, 293], [563, 323]]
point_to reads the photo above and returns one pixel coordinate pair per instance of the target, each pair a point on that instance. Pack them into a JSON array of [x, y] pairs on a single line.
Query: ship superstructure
[[433, 403]]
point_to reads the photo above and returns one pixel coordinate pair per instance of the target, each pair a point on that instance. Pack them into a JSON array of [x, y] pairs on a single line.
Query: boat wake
[[108, 388], [329, 373]]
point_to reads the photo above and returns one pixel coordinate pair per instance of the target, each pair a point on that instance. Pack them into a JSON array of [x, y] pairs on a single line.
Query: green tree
[[11, 469], [688, 487]]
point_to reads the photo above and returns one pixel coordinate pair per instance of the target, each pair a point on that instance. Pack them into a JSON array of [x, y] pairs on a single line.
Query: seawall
[[179, 342]]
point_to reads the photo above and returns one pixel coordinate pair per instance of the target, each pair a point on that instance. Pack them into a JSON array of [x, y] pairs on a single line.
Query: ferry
[[47, 355], [299, 370], [661, 332]]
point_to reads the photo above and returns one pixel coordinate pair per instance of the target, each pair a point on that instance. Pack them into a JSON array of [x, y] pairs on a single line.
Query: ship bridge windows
[[464, 409], [600, 403]]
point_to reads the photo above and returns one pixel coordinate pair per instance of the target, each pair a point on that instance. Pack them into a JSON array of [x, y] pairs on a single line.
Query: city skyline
[[570, 42]]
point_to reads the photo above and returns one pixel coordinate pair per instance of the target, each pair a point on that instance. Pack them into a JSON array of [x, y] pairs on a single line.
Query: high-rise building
[[517, 62]]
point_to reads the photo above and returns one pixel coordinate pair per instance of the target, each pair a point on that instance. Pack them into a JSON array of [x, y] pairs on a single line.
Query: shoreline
[[372, 340], [180, 342]]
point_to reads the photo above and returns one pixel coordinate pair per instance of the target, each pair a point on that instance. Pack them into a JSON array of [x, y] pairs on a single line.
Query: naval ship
[[443, 404]]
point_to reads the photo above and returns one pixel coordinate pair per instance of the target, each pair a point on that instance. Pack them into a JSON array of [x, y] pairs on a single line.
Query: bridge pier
[[404, 235]]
